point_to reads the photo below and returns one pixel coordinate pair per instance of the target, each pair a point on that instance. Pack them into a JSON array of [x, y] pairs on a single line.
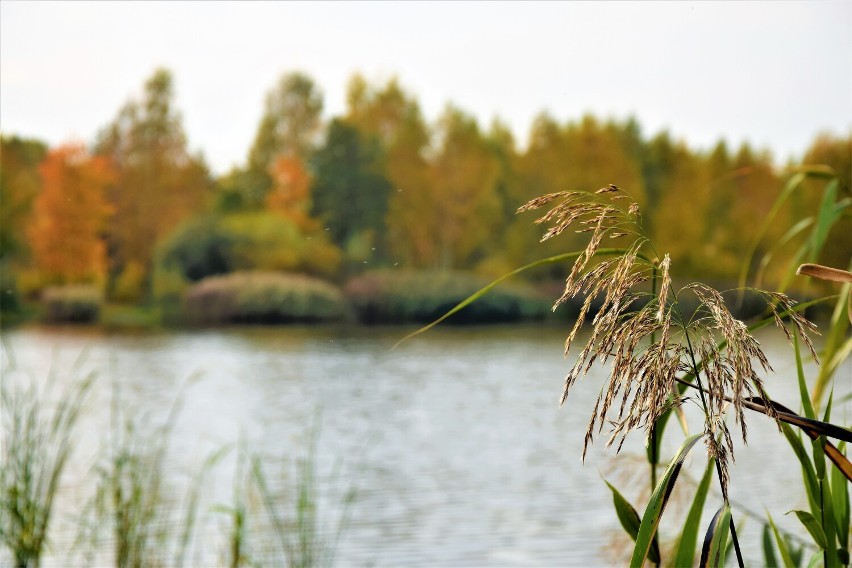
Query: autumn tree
[[70, 214], [19, 186], [158, 182], [290, 192], [290, 127], [466, 208]]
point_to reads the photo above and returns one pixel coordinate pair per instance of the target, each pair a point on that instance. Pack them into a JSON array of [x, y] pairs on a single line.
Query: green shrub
[[262, 297], [220, 244], [398, 296], [79, 303]]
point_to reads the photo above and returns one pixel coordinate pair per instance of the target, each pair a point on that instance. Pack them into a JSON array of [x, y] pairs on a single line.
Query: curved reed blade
[[689, 537], [814, 429], [782, 545], [789, 188], [657, 504], [478, 294], [629, 519], [715, 540], [813, 526]]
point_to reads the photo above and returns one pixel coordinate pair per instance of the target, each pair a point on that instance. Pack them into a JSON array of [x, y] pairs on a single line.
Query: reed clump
[[38, 440]]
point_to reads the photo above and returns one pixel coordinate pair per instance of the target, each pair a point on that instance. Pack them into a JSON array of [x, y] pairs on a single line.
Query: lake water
[[454, 441]]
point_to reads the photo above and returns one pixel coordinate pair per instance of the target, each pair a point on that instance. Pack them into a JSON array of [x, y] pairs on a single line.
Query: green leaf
[[816, 559], [716, 538], [778, 245], [657, 504], [689, 536], [788, 189], [629, 519], [811, 483], [814, 527], [840, 494], [803, 387], [768, 551], [782, 545], [828, 525], [825, 218]]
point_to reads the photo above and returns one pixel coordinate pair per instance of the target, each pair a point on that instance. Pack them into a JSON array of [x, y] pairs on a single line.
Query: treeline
[[140, 216]]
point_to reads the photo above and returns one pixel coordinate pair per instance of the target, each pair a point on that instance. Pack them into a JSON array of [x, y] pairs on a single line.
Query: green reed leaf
[[629, 519], [826, 217], [686, 545], [805, 395], [811, 484], [769, 559], [481, 292], [656, 506], [814, 527], [788, 189], [828, 525], [816, 559], [782, 545], [840, 494], [715, 540]]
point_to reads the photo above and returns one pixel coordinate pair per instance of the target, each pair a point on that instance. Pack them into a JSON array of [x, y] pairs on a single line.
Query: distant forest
[[138, 214]]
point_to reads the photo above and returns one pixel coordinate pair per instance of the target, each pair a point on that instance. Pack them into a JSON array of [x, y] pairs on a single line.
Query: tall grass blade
[[768, 550], [826, 217], [656, 506], [629, 519], [791, 233], [782, 545], [813, 526], [804, 394], [478, 294], [838, 327], [816, 560], [192, 505], [715, 540], [840, 493], [811, 484], [828, 525], [788, 189], [814, 429], [689, 536]]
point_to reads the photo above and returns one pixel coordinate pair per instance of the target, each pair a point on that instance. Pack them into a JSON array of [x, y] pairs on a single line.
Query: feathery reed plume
[[645, 338]]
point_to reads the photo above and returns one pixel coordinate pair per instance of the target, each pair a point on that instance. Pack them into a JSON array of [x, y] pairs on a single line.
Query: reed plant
[[304, 515], [135, 502], [38, 440], [665, 347]]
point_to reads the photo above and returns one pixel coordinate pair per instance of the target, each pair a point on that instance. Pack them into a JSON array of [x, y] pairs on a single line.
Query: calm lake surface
[[454, 441]]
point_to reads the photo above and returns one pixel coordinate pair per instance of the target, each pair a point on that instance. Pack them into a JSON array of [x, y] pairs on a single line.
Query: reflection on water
[[454, 441]]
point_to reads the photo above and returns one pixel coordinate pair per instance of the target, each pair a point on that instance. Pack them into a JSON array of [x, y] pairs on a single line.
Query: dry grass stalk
[[711, 343]]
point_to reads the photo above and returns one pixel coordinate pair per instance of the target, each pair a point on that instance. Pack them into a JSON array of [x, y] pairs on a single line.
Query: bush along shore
[[378, 297]]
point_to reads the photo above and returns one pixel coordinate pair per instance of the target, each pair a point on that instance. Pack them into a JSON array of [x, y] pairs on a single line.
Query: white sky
[[772, 73]]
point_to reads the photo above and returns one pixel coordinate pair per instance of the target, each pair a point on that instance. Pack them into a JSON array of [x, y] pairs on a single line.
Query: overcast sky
[[772, 73]]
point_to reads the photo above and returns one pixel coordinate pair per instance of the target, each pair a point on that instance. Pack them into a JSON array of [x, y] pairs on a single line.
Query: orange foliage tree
[[290, 193], [70, 214]]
